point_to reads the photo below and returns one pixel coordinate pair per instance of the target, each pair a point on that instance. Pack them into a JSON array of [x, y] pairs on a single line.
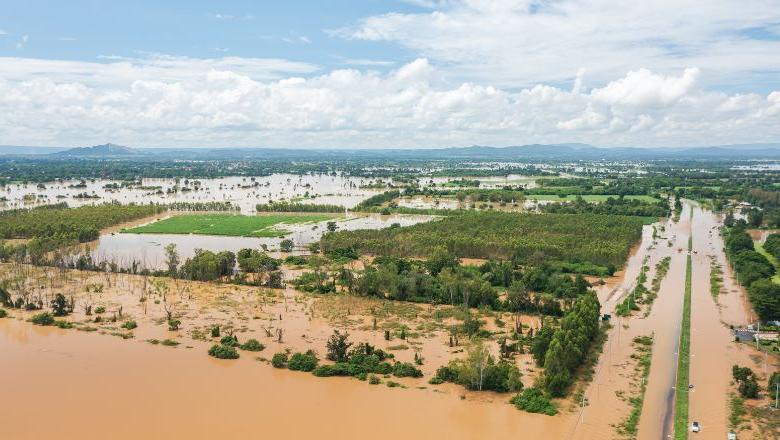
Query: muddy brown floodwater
[[67, 384]]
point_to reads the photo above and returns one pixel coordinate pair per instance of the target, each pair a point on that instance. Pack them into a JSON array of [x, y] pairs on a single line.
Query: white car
[[695, 427]]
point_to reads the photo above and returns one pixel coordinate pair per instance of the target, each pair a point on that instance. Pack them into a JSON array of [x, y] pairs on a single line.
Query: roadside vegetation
[[229, 225]]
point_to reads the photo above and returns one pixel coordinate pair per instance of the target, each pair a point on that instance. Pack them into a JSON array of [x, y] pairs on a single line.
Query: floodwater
[[244, 192], [149, 249], [69, 384]]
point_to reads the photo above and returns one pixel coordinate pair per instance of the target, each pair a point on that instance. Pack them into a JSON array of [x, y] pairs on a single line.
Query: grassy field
[[683, 362], [230, 225], [587, 198]]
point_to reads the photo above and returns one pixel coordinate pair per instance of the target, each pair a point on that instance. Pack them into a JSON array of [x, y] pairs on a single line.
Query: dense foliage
[[598, 239], [613, 206], [755, 272]]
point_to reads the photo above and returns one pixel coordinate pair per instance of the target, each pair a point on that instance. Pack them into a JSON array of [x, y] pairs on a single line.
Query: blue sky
[[86, 30], [369, 74]]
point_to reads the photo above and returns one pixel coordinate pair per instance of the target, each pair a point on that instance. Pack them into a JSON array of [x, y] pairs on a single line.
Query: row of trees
[[755, 272], [613, 206]]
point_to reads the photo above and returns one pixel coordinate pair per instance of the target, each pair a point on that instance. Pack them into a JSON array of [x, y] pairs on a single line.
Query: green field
[[587, 197], [230, 225]]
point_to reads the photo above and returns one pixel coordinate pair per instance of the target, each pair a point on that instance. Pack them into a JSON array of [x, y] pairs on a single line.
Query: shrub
[[391, 384], [3, 313], [435, 380], [215, 331], [173, 324], [230, 341], [303, 361], [279, 360], [100, 309], [44, 318], [405, 369], [169, 343], [252, 345], [373, 380], [533, 400], [64, 324], [129, 325], [223, 352]]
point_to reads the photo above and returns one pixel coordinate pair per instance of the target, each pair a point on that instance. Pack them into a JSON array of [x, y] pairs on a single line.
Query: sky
[[381, 73]]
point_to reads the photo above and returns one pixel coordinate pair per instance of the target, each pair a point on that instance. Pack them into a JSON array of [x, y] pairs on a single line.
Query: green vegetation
[[755, 272], [602, 240], [279, 360], [226, 224], [630, 205], [643, 345], [575, 335], [299, 207], [252, 345], [44, 318], [737, 412], [221, 351], [303, 361], [589, 197], [3, 313], [534, 400], [747, 384], [479, 371], [683, 362]]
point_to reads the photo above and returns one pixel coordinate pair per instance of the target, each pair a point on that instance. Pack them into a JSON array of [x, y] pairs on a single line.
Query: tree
[[60, 305], [286, 245], [338, 347], [172, 259], [541, 343]]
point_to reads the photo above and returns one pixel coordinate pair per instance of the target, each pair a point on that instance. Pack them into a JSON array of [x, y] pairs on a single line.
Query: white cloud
[[233, 101], [517, 43], [22, 42]]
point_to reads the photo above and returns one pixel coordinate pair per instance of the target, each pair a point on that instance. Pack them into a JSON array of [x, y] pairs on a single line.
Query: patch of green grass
[[228, 225], [588, 197], [684, 362]]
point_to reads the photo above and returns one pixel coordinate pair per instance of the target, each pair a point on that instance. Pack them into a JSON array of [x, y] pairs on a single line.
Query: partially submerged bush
[[303, 361], [279, 360], [405, 369], [3, 313], [130, 325], [534, 400], [100, 309], [44, 318], [223, 352], [173, 324], [373, 380], [252, 345], [215, 331], [230, 341]]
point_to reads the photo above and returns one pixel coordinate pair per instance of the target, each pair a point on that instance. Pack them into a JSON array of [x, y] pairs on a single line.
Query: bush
[[130, 325], [405, 369], [303, 361], [279, 360], [215, 331], [373, 380], [436, 380], [66, 325], [44, 318], [100, 309], [230, 341], [3, 313], [533, 400], [223, 352], [252, 345], [173, 324]]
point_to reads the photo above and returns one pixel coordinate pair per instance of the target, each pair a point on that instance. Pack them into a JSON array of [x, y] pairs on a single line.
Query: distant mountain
[[533, 152], [100, 151]]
